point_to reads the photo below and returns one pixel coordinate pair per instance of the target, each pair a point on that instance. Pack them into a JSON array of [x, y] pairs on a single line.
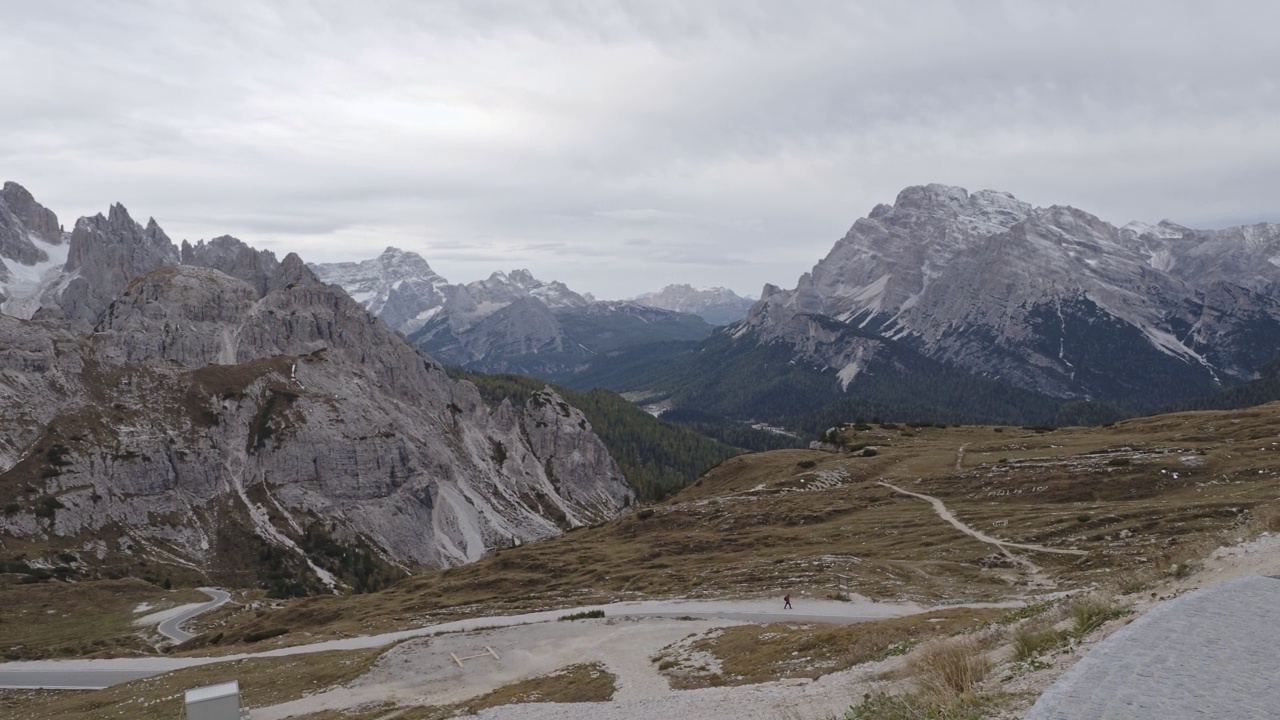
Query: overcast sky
[[621, 147]]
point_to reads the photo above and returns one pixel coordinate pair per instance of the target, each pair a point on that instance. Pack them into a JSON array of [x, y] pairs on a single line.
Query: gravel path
[[1207, 654], [947, 515]]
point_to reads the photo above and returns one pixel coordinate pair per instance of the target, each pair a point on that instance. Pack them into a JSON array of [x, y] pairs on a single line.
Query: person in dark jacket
[[786, 601]]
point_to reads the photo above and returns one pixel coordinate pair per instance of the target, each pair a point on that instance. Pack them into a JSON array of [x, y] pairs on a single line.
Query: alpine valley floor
[[1049, 539]]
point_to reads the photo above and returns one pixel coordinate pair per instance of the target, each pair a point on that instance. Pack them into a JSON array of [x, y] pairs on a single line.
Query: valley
[[1130, 512]]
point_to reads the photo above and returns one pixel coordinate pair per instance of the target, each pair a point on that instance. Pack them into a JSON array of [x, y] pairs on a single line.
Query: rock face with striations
[[235, 416]]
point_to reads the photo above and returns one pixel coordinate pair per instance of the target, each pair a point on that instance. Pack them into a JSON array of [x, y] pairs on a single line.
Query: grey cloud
[[739, 139]]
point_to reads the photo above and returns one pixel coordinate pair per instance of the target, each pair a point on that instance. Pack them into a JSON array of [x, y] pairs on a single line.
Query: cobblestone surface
[[1208, 654]]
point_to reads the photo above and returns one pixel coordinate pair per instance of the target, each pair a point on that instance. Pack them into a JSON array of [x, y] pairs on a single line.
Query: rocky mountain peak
[[233, 257], [105, 255], [989, 208], [992, 285], [293, 272], [716, 305], [34, 217], [397, 286]]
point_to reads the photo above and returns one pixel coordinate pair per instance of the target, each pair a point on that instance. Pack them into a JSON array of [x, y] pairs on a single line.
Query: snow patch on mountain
[[27, 283]]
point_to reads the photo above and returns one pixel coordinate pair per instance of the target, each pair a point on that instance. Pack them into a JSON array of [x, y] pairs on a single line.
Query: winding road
[[98, 673], [172, 628]]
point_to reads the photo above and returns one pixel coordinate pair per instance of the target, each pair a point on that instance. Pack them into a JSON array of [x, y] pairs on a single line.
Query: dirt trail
[[960, 456], [1004, 545]]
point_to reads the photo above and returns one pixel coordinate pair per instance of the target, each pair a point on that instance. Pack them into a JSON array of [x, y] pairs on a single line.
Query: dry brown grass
[[88, 619], [1035, 638], [950, 668], [749, 654]]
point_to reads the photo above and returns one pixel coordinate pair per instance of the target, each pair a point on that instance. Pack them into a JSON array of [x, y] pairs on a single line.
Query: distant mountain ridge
[[1072, 316], [510, 322], [717, 305]]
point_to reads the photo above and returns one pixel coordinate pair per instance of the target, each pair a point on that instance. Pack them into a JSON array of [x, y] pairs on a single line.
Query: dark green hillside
[[742, 380], [1255, 392], [657, 457]]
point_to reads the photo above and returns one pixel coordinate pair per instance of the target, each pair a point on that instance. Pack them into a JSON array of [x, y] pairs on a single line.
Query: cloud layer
[[623, 146]]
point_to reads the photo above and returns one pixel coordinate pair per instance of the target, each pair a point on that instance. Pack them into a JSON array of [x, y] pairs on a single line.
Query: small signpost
[[842, 585], [488, 651]]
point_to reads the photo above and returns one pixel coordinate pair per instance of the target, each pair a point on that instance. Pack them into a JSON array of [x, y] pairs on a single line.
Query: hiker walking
[[786, 601]]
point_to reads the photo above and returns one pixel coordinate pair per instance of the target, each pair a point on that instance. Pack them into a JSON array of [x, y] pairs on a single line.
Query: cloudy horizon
[[620, 147]]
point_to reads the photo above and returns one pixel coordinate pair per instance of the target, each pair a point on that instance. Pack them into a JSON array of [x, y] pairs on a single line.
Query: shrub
[[12, 508], [584, 615], [47, 506], [1090, 614], [869, 452], [644, 514], [1118, 462], [806, 464], [1027, 611], [914, 706], [1030, 641]]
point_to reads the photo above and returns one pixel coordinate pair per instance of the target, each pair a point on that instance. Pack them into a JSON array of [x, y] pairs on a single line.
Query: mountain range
[[212, 410], [980, 306], [510, 322]]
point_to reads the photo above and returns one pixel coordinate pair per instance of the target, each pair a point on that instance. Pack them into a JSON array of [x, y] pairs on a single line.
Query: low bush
[[1091, 613], [1031, 641], [584, 615]]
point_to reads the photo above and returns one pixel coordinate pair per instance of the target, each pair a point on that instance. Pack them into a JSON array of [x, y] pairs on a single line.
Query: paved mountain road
[[1206, 654], [172, 628], [93, 674]]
